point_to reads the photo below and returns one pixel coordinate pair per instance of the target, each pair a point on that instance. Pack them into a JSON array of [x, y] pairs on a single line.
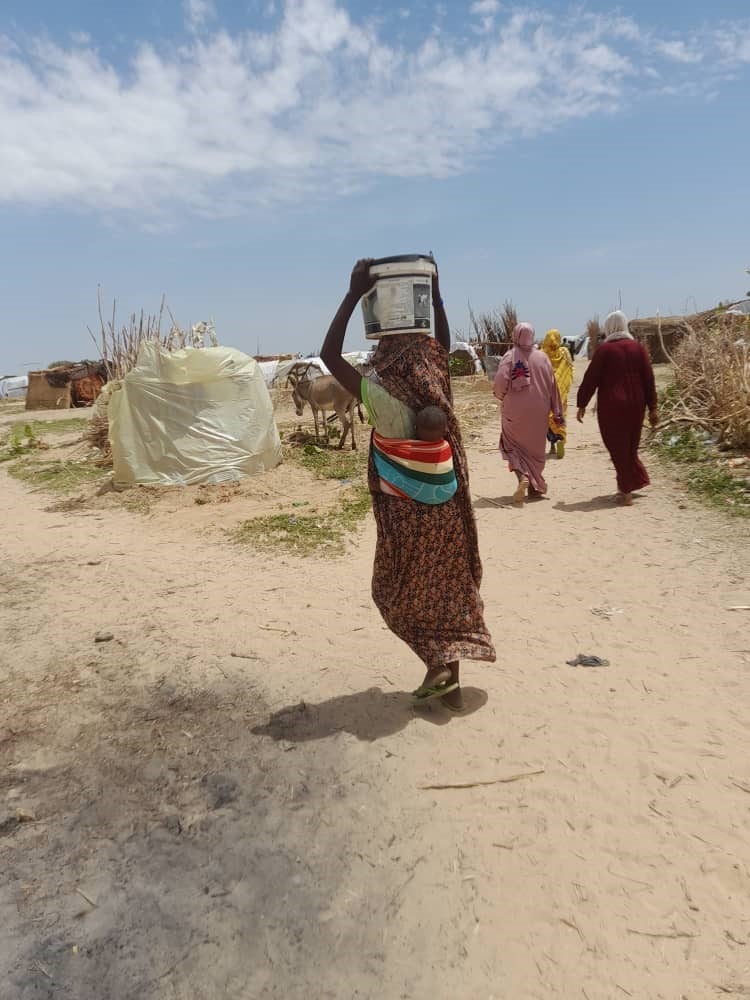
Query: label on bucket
[[397, 305]]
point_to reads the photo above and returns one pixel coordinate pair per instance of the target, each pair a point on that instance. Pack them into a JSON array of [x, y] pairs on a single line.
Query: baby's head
[[432, 424]]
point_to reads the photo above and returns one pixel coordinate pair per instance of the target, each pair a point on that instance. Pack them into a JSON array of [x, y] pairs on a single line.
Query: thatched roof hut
[[673, 329], [66, 385]]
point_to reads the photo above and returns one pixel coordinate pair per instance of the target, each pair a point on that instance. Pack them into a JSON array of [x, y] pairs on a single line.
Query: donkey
[[325, 393]]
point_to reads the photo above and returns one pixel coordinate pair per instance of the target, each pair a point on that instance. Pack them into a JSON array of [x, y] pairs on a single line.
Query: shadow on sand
[[369, 715], [607, 502], [584, 506]]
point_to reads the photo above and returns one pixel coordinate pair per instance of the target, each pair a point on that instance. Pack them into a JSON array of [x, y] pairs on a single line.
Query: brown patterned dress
[[427, 569]]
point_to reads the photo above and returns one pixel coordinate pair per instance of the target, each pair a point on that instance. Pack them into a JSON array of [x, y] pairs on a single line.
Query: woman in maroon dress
[[621, 373]]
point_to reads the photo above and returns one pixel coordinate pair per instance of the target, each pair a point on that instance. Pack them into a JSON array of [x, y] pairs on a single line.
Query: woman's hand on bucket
[[361, 280]]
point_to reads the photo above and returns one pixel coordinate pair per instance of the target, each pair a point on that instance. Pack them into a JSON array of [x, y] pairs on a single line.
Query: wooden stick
[[671, 935], [38, 965], [502, 506], [480, 784]]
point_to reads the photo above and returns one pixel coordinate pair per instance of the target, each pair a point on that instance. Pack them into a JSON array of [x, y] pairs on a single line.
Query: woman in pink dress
[[526, 387]]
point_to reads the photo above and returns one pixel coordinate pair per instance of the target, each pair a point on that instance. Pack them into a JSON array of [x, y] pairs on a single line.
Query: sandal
[[428, 692], [439, 677], [585, 660]]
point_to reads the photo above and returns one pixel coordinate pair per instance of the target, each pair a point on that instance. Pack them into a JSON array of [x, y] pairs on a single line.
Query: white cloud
[[317, 105], [734, 44], [486, 11], [482, 8], [680, 51], [198, 13]]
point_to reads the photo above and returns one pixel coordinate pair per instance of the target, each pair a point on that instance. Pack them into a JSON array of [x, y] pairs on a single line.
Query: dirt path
[[178, 822]]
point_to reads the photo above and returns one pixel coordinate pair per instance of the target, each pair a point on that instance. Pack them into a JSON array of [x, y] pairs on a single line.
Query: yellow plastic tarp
[[192, 416]]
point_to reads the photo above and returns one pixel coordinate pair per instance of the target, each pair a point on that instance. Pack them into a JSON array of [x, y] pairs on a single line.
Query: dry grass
[[712, 382], [96, 434], [118, 345], [474, 405], [594, 331], [494, 327]]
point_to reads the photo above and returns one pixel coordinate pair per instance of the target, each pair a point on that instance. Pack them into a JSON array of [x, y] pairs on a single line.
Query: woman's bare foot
[[520, 495], [625, 499]]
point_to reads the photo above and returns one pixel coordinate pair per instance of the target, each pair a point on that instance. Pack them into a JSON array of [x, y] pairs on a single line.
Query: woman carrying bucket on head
[[562, 366], [427, 570]]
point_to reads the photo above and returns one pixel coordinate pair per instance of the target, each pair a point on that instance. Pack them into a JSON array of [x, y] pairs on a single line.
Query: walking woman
[[427, 569], [621, 373], [525, 385], [562, 365]]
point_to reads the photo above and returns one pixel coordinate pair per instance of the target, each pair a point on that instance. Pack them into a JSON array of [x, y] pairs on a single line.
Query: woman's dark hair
[[432, 418]]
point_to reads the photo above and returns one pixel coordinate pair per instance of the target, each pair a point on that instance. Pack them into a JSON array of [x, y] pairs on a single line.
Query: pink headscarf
[[523, 344]]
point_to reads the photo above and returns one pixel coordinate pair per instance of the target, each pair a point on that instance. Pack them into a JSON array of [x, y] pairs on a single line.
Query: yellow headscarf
[[562, 362]]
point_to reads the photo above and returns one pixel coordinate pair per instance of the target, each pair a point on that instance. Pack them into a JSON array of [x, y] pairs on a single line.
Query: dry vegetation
[[705, 426], [712, 382], [119, 345], [594, 331], [494, 327]]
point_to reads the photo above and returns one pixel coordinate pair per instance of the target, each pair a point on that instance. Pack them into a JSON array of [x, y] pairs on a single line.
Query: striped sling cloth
[[414, 470]]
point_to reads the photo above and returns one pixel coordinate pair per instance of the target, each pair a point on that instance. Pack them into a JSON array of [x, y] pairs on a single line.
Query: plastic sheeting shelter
[[466, 354], [13, 386], [276, 372], [192, 416]]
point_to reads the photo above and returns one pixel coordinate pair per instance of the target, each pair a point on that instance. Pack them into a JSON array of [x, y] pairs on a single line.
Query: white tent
[[199, 415], [463, 349], [13, 386], [275, 372]]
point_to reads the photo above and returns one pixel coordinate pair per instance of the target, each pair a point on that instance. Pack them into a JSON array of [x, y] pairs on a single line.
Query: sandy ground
[[229, 797]]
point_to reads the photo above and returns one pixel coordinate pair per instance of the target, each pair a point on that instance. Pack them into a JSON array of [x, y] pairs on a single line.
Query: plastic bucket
[[400, 300]]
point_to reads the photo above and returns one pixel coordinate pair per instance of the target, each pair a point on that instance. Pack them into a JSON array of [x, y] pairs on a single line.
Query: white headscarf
[[616, 327]]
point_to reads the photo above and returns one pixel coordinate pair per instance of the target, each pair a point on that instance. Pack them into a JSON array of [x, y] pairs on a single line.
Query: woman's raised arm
[[442, 330], [347, 375]]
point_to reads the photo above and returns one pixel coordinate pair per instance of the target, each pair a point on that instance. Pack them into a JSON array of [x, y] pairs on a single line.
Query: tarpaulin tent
[[13, 386], [191, 416], [277, 371], [466, 359]]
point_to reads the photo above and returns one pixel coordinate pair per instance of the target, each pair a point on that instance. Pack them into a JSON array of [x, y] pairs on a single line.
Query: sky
[[238, 156]]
